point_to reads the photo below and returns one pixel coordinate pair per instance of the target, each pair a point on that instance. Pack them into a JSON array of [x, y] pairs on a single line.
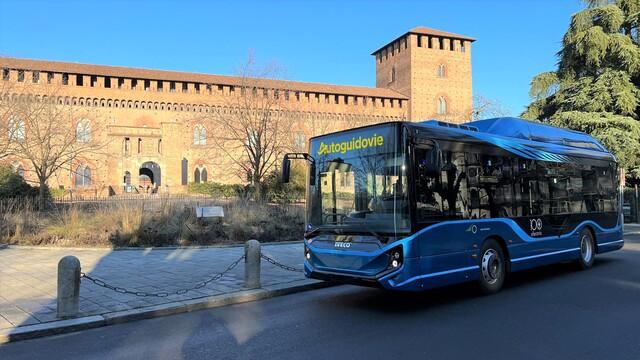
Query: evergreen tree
[[596, 87]]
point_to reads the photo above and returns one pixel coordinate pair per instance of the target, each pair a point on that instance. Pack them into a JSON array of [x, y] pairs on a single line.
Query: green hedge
[[217, 190]]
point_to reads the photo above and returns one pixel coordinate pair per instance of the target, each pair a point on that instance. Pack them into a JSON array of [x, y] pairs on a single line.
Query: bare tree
[[6, 104], [484, 108], [49, 134], [251, 127]]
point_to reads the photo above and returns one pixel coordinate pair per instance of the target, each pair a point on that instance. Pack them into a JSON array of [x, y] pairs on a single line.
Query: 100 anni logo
[[535, 226]]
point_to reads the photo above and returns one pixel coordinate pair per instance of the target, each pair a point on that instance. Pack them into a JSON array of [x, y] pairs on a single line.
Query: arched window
[[203, 175], [393, 73], [16, 129], [83, 131], [196, 176], [442, 70], [442, 105], [199, 135], [83, 176]]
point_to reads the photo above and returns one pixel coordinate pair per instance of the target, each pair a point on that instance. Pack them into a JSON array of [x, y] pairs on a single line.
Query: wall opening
[[150, 170]]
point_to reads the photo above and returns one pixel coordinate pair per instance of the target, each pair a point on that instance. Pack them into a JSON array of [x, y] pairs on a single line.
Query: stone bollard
[[252, 264], [68, 286]]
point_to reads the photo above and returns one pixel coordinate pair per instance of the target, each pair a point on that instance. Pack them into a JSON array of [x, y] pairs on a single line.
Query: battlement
[[433, 69]]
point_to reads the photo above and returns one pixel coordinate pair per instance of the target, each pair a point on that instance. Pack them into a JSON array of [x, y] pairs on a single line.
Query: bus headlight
[[395, 257], [307, 253]]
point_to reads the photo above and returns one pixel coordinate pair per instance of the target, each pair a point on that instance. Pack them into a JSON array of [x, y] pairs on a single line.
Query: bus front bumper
[[391, 279]]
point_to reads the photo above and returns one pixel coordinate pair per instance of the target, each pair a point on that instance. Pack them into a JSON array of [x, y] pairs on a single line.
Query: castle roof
[[165, 75]]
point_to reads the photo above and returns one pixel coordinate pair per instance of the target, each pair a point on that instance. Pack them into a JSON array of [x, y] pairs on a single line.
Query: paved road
[[551, 313]]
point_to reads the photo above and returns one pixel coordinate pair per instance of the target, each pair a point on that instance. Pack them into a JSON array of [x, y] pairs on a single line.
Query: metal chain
[[161, 294], [278, 264]]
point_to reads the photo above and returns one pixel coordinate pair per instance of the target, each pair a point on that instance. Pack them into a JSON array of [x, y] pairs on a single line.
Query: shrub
[[216, 190], [14, 186], [278, 192], [57, 193]]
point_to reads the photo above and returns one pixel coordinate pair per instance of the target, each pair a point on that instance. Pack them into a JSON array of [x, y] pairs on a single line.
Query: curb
[[152, 248], [172, 308]]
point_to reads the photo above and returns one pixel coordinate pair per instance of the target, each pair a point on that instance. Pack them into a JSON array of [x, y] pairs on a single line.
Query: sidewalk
[[632, 229], [28, 278]]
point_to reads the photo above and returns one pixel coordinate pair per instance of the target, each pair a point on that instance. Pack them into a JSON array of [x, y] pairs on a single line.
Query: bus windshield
[[360, 182]]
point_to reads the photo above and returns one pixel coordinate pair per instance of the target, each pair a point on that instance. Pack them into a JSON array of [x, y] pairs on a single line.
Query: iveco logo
[[535, 226], [340, 244]]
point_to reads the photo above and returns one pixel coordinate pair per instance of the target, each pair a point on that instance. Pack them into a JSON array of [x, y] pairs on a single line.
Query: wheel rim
[[586, 248], [491, 266]]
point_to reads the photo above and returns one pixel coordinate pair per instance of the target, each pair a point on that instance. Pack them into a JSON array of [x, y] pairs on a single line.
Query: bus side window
[[428, 184], [526, 188], [590, 189]]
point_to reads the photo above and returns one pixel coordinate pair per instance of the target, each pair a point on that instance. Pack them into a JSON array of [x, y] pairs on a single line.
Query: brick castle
[[422, 74]]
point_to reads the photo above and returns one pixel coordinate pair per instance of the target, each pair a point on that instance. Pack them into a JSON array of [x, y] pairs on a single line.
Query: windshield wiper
[[378, 236], [320, 230], [307, 234]]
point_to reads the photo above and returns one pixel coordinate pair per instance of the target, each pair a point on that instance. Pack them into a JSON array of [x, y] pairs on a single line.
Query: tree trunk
[[257, 185], [42, 193]]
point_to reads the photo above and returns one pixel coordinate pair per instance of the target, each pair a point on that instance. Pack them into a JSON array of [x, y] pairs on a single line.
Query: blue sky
[[318, 41]]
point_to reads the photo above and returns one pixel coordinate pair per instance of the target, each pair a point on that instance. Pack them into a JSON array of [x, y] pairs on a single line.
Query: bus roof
[[528, 139], [525, 138]]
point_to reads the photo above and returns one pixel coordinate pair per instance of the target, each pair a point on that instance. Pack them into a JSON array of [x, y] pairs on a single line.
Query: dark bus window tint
[[526, 188], [590, 189], [503, 188], [558, 181], [429, 190], [441, 186], [494, 185], [544, 196], [576, 203], [606, 190], [453, 174]]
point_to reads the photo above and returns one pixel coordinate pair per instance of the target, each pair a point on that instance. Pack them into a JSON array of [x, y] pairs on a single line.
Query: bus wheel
[[492, 267], [587, 250]]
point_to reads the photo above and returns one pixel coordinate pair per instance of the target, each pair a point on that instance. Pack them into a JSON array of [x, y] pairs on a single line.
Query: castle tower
[[432, 68]]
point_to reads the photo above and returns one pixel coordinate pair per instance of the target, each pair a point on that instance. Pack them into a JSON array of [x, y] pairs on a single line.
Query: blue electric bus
[[412, 206]]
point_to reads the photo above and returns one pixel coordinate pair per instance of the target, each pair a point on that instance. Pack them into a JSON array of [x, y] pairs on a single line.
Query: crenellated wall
[[150, 116]]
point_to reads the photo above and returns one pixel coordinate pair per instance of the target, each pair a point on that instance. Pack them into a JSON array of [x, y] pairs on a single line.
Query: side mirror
[[286, 169], [286, 166]]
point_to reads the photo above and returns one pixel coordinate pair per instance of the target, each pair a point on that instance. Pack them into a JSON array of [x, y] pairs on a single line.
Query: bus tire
[[493, 267], [587, 250]]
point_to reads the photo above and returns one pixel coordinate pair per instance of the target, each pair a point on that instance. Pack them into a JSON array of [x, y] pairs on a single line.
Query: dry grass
[[146, 223]]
